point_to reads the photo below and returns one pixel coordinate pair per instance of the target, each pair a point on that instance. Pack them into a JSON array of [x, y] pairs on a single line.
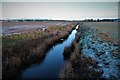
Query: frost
[[100, 51]]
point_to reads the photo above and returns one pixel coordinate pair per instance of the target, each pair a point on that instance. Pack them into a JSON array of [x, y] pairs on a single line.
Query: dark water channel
[[51, 64]]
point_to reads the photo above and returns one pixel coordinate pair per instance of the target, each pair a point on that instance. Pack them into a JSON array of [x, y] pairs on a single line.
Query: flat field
[[9, 28], [110, 28]]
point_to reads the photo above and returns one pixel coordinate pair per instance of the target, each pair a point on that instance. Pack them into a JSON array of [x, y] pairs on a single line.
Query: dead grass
[[79, 67], [22, 50], [67, 51]]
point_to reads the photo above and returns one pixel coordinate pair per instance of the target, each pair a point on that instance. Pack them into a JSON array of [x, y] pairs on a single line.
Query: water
[[52, 63]]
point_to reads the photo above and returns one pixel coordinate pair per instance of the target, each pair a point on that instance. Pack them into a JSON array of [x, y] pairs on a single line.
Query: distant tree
[[98, 20], [91, 20], [94, 20]]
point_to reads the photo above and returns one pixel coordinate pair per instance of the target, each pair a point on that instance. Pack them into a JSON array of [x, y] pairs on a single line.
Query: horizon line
[[56, 19]]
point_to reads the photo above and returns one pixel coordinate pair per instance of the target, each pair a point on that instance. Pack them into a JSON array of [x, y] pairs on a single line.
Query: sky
[[60, 10], [60, 0]]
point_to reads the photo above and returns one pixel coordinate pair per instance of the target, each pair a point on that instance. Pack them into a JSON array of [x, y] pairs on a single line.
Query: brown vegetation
[[29, 48], [68, 50], [79, 67]]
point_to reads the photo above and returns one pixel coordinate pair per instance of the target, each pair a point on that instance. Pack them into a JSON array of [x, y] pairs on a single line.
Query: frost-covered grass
[[110, 28], [79, 66], [97, 45], [95, 56]]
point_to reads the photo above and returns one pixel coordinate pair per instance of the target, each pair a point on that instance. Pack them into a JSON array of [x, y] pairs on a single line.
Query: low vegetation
[[20, 50], [93, 56], [78, 66]]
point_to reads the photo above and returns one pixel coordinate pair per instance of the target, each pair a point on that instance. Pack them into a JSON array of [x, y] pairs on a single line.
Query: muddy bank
[[95, 56], [21, 52]]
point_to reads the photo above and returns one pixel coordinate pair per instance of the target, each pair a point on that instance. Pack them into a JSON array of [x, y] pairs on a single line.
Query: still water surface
[[51, 64]]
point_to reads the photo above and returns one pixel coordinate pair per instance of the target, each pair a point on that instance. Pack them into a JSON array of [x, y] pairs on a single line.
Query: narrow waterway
[[52, 63]]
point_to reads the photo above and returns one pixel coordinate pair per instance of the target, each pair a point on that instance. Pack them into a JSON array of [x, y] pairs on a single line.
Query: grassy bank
[[93, 56], [21, 50], [78, 66]]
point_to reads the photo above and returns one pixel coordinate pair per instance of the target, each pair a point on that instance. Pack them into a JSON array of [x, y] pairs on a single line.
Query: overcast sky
[[59, 10], [60, 0]]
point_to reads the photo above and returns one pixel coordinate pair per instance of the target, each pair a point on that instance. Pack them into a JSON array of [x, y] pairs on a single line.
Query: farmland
[[29, 47], [110, 28]]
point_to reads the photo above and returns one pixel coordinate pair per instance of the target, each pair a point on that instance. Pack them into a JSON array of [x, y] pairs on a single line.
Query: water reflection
[[51, 64]]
